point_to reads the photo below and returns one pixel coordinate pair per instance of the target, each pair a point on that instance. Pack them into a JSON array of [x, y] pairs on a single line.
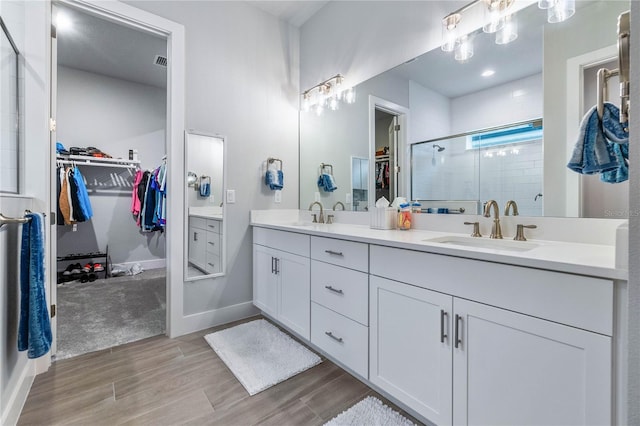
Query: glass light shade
[[319, 109], [493, 19], [561, 11], [349, 95], [334, 102], [449, 33], [509, 32], [306, 103], [464, 50], [546, 4]]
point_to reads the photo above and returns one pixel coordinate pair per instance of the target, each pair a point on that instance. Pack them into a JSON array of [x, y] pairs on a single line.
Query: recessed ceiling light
[[63, 22], [488, 73]]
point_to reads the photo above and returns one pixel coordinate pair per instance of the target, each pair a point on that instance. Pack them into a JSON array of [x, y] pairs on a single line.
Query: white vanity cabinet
[[281, 278], [204, 244], [505, 367], [411, 346], [339, 301]]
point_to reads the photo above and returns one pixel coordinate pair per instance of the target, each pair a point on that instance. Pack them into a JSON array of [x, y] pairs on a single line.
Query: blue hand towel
[[326, 182], [595, 150], [34, 330], [205, 190], [274, 179], [621, 173]]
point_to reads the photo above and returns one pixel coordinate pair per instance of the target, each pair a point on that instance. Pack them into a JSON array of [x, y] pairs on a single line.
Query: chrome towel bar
[[4, 220]]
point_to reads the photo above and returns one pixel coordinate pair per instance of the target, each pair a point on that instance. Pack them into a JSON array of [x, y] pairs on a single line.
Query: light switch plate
[[278, 196], [231, 196]]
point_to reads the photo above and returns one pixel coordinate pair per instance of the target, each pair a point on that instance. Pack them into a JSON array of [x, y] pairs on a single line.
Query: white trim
[[575, 84], [402, 157], [175, 34], [203, 320], [18, 396]]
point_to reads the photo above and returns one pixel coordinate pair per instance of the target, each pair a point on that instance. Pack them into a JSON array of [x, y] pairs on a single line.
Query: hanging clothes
[[148, 199], [73, 199]]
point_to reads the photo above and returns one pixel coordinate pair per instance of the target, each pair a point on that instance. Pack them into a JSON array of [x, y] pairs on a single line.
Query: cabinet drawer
[[579, 301], [290, 242], [343, 339], [212, 263], [214, 226], [198, 222], [342, 253], [213, 243], [342, 290]]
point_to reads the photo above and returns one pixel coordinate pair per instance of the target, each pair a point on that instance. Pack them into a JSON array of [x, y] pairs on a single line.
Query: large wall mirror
[[9, 111], [205, 225], [500, 125]]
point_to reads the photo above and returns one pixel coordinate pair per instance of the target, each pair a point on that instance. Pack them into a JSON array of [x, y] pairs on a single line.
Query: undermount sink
[[479, 242]]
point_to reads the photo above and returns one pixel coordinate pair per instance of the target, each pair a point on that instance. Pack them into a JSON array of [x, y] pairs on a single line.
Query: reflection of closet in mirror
[[204, 181], [385, 178], [599, 199], [359, 183]]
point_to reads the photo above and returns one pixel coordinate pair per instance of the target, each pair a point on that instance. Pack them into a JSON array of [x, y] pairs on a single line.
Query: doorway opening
[[109, 99]]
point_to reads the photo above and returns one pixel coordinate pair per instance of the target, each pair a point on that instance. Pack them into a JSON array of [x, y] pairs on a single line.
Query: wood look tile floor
[[162, 381]]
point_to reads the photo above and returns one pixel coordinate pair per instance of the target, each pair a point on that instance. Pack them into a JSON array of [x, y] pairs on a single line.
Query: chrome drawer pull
[[335, 290], [211, 226], [211, 264], [330, 334], [336, 253], [213, 244]]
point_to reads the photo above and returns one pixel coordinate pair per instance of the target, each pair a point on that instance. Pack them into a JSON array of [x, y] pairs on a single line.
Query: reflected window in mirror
[[205, 225]]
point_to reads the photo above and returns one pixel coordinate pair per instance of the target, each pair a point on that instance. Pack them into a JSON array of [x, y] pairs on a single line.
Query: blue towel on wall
[[34, 330], [274, 179], [596, 150], [205, 189], [326, 182]]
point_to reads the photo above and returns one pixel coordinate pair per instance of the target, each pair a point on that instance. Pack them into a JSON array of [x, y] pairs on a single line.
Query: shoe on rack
[[97, 267], [92, 277], [84, 277], [73, 269], [88, 267], [68, 270]]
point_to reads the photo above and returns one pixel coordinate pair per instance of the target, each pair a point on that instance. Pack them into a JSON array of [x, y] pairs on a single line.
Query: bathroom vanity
[[488, 333]]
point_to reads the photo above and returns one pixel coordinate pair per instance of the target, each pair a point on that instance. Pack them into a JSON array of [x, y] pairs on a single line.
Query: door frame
[[401, 157], [174, 34]]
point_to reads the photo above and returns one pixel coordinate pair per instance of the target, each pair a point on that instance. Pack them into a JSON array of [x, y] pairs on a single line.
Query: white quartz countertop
[[575, 258], [216, 216]]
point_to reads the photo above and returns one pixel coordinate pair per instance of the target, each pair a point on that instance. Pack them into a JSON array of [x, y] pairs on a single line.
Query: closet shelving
[[84, 160], [380, 158]]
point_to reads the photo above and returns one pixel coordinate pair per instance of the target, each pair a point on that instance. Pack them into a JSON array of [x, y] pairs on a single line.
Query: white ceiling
[[294, 12], [104, 47]]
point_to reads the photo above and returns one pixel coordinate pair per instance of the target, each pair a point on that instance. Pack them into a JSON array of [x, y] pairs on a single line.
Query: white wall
[[242, 82], [430, 114], [114, 116]]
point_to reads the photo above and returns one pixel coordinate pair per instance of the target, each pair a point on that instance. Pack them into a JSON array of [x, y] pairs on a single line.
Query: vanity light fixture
[[329, 93], [497, 19]]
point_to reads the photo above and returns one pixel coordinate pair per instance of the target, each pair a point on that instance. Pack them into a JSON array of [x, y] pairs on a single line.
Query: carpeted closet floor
[[109, 312]]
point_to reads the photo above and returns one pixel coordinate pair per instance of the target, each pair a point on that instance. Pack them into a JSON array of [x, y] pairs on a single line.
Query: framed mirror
[[205, 230], [500, 86], [9, 111]]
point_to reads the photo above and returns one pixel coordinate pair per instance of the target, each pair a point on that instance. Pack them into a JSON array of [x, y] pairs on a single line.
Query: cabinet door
[[294, 273], [410, 346], [265, 281], [513, 369], [197, 246]]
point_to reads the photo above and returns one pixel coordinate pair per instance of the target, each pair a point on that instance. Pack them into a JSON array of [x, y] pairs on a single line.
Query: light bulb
[[494, 20], [509, 32], [464, 50]]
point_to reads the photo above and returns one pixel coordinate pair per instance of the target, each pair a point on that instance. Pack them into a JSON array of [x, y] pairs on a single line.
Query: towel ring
[[602, 89], [272, 160], [324, 166]]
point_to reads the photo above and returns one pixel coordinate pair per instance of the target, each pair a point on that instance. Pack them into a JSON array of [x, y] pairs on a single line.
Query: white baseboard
[[202, 320], [17, 398], [148, 264]]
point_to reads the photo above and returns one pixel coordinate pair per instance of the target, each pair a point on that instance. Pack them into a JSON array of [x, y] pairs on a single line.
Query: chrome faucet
[[321, 218], [339, 203], [496, 231], [513, 205]]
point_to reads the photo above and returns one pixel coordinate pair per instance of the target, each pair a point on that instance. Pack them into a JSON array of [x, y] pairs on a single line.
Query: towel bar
[[4, 220]]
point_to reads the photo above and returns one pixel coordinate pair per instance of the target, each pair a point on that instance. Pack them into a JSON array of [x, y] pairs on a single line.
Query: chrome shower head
[[440, 148]]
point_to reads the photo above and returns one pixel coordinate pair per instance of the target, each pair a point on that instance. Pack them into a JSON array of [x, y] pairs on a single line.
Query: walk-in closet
[[110, 181]]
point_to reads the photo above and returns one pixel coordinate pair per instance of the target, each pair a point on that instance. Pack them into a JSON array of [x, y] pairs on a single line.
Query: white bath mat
[[370, 412], [260, 355]]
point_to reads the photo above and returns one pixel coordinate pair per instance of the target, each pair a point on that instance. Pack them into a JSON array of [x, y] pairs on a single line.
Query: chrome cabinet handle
[[330, 334], [458, 339], [211, 226], [212, 243], [195, 236], [277, 266], [335, 290], [443, 336], [335, 253], [273, 268], [211, 264]]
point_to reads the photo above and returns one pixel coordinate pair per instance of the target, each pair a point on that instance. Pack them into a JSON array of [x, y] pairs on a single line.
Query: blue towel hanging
[[274, 179], [34, 329], [326, 182]]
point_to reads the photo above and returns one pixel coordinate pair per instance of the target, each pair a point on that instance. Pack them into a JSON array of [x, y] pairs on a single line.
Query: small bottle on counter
[[416, 207], [404, 216]]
